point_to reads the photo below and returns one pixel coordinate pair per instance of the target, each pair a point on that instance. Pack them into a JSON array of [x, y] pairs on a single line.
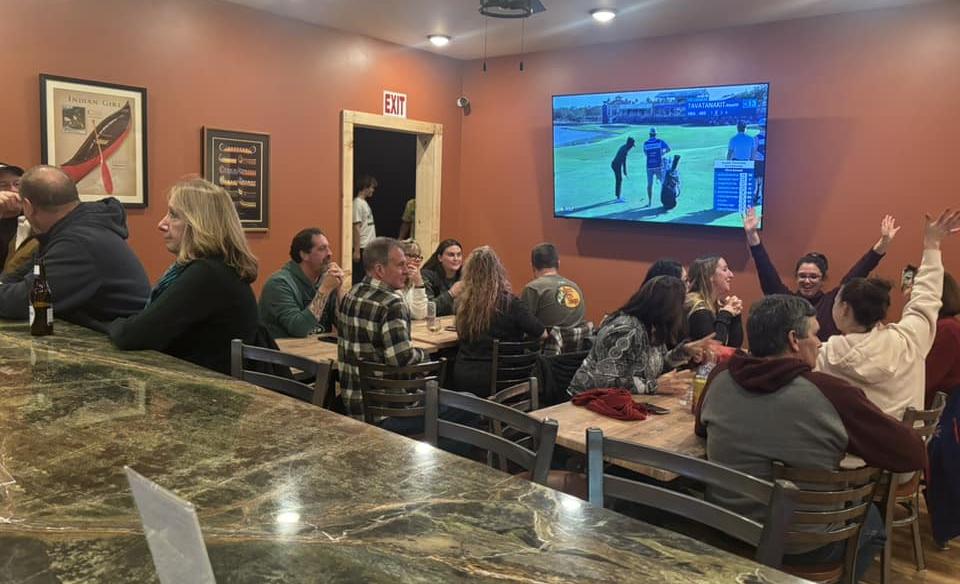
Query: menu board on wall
[[240, 163]]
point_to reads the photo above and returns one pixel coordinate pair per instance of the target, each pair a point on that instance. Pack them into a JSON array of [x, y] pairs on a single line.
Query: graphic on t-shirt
[[568, 296]]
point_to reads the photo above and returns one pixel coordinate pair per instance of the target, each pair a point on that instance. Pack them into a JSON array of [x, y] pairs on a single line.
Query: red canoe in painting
[[99, 146]]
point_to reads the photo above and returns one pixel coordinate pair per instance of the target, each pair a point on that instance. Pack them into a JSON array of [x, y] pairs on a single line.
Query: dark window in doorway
[[391, 158]]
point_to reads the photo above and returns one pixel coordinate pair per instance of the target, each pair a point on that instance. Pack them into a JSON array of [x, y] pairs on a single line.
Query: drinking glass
[[433, 323]]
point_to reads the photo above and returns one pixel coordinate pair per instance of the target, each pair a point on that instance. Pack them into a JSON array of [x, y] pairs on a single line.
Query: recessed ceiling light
[[603, 14], [438, 40]]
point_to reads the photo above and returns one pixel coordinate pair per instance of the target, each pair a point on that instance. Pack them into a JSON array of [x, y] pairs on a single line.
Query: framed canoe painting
[[240, 163], [97, 133]]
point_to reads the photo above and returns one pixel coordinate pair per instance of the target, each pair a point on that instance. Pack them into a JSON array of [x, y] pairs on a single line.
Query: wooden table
[[368, 506], [673, 431], [311, 348]]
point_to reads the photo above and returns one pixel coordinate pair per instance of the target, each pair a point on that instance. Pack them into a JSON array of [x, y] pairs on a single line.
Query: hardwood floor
[[943, 567]]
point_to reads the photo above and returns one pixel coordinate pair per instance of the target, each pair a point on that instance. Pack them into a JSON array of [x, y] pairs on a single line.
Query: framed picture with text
[[97, 133], [240, 163]]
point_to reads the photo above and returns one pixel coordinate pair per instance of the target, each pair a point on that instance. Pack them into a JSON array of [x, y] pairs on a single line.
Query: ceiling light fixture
[[603, 14], [438, 40]]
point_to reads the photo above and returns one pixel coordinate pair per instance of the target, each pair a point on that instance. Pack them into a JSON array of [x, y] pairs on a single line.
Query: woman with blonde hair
[[487, 310], [414, 292], [709, 305], [204, 298]]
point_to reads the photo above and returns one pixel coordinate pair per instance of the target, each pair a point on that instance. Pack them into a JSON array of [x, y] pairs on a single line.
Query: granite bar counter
[[285, 491]]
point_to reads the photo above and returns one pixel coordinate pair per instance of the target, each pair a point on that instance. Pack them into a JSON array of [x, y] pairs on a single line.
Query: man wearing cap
[[17, 245], [654, 149], [619, 165]]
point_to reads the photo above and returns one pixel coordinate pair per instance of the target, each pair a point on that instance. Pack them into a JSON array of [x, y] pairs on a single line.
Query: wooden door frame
[[429, 164]]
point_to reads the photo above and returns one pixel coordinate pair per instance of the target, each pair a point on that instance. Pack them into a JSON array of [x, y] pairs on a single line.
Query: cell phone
[[906, 278], [327, 339], [450, 328], [654, 409]]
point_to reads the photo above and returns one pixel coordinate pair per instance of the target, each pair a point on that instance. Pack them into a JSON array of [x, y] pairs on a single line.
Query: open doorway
[[367, 137], [391, 158]]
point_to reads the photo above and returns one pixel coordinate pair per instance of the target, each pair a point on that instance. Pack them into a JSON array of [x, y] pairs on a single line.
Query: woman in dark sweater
[[487, 310], [811, 271], [709, 305], [441, 275], [204, 299]]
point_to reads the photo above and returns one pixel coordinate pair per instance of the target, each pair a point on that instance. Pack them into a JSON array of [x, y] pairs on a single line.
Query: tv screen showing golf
[[692, 156]]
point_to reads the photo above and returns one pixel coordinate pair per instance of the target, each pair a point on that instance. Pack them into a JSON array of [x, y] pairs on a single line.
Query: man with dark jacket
[[94, 275], [771, 406]]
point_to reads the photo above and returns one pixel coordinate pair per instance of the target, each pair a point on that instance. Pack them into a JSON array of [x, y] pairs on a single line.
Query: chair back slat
[[925, 421], [512, 362], [833, 506], [389, 391], [544, 432], [768, 538], [322, 372]]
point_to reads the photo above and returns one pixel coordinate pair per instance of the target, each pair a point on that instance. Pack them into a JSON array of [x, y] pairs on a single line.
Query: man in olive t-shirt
[[553, 299]]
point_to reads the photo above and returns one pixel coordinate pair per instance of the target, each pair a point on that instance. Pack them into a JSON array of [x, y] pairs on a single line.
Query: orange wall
[[224, 66], [864, 120]]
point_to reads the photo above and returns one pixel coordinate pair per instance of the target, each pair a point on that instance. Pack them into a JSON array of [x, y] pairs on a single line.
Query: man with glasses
[[10, 209], [301, 298]]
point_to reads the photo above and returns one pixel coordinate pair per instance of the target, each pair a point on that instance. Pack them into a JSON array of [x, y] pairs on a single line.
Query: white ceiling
[[566, 23]]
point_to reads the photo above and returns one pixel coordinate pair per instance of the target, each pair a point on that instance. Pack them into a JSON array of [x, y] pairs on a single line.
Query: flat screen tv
[[693, 156]]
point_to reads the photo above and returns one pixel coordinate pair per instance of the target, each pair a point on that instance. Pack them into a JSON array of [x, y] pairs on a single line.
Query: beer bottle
[[41, 302]]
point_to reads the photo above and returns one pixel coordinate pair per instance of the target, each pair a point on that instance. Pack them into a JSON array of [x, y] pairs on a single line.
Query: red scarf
[[614, 403]]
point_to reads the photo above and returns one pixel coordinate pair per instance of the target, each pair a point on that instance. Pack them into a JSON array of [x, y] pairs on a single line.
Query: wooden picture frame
[[97, 133], [240, 163]]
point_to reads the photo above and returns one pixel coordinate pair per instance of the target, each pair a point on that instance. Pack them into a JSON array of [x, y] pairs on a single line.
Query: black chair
[[832, 507], [905, 497], [512, 363], [768, 538], [270, 369], [556, 372], [396, 392], [544, 432]]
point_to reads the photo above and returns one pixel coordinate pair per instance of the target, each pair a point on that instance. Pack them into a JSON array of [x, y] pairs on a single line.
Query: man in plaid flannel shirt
[[372, 321]]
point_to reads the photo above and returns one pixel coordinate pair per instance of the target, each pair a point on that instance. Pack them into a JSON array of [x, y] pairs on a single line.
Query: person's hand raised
[[937, 229]]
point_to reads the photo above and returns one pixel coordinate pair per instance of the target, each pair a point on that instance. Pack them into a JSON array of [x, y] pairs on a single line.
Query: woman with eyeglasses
[[811, 271], [414, 293]]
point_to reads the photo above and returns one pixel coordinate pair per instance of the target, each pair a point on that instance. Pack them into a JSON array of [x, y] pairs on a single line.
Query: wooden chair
[[537, 462], [512, 363], [905, 497], [523, 397], [768, 538], [270, 369], [396, 392], [837, 501]]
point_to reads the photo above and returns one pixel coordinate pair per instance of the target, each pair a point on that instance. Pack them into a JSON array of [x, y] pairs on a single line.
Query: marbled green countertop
[[373, 506]]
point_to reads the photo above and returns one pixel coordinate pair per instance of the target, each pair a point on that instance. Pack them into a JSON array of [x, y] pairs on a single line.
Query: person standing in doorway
[[619, 165], [364, 228]]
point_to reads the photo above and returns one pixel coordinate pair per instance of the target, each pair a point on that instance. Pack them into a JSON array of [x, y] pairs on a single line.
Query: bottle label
[[36, 269], [33, 315], [50, 315]]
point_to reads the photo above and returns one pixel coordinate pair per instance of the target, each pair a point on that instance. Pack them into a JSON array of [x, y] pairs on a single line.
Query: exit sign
[[394, 104]]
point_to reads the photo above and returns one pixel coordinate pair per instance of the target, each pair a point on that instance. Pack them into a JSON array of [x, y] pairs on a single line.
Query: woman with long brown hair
[[487, 310], [442, 275], [204, 298], [639, 346], [709, 305]]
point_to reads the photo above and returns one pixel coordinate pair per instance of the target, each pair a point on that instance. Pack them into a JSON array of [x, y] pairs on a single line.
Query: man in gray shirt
[[553, 299]]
